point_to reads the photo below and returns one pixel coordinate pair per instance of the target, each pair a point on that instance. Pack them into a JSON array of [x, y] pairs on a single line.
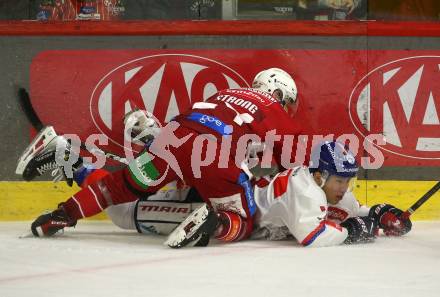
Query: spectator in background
[[404, 10], [57, 10], [331, 9], [173, 9], [67, 10]]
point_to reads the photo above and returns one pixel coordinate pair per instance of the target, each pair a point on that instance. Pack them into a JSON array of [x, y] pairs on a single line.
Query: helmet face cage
[[329, 179]]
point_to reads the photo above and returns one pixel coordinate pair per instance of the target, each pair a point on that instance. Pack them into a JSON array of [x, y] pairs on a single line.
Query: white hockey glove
[[141, 125]]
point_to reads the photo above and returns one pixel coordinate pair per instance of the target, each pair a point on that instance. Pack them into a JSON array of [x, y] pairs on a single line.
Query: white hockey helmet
[[279, 83]]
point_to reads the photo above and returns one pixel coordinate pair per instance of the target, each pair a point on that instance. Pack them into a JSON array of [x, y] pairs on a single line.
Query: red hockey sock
[[93, 199], [232, 227], [85, 203]]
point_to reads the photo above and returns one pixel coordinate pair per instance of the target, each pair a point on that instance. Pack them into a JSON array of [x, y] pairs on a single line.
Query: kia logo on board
[[401, 100], [164, 84]]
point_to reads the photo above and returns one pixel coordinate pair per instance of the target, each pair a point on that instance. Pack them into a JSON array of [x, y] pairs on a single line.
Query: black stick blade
[[26, 105]]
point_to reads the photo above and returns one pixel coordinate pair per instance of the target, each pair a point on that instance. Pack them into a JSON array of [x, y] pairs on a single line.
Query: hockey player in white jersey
[[317, 207]]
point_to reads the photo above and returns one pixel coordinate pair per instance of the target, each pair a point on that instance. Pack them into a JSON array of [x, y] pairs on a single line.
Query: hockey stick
[[420, 202], [28, 109], [26, 105]]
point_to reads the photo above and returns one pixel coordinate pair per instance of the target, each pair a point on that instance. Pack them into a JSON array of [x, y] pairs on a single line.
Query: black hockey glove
[[389, 218], [360, 229], [50, 223]]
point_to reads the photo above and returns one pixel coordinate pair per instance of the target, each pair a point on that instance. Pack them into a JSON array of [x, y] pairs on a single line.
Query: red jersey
[[243, 112]]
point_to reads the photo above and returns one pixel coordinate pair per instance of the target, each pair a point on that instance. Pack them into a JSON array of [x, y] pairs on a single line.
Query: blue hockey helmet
[[333, 158]]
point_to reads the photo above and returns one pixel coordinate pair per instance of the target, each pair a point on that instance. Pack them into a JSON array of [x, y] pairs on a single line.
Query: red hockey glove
[[49, 224], [389, 218]]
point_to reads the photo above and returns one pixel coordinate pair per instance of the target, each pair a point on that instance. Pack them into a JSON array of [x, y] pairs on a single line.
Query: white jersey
[[348, 207], [292, 204]]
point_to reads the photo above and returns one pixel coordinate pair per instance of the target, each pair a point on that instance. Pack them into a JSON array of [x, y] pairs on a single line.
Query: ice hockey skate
[[40, 156], [195, 230]]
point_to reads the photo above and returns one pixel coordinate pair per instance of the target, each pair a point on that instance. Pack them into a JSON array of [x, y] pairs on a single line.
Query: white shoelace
[[49, 166], [57, 174]]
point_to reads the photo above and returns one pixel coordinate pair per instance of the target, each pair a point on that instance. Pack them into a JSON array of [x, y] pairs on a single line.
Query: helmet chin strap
[[323, 180], [324, 176], [278, 94]]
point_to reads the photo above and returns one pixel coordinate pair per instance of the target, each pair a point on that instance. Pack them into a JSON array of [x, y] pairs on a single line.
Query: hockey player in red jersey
[[224, 120]]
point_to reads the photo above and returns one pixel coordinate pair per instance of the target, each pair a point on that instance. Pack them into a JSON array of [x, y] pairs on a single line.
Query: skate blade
[[182, 232], [28, 234]]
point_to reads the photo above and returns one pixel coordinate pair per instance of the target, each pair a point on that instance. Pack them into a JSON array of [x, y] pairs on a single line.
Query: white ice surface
[[98, 259]]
